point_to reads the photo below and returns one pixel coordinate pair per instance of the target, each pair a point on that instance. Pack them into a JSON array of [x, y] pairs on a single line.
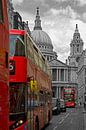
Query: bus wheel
[[36, 124]]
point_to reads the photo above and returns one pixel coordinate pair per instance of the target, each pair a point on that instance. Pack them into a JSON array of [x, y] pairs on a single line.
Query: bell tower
[[76, 48]]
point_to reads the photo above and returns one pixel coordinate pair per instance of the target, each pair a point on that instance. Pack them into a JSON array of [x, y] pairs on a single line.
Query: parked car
[[62, 105], [55, 106]]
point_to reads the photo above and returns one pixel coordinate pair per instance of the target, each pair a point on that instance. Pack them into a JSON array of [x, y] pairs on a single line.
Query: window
[[17, 47], [32, 99], [1, 12], [54, 74], [48, 58], [36, 57], [77, 48], [30, 49], [18, 96], [41, 98]]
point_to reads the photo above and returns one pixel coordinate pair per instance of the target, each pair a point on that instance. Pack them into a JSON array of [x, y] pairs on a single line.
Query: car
[[55, 106], [62, 105]]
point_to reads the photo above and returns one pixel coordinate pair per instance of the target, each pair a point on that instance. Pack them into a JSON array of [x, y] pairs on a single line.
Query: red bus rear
[[69, 97], [4, 71]]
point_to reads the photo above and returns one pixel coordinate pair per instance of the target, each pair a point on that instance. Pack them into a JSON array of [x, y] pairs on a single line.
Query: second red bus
[[69, 95]]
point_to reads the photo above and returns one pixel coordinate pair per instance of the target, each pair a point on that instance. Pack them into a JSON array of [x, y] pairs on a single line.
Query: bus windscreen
[[17, 47], [17, 98]]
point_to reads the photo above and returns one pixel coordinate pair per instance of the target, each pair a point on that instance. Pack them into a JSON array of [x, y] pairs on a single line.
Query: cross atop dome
[[37, 21]]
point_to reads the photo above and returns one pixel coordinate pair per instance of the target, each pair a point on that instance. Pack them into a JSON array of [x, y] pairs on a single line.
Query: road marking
[[64, 118], [61, 121], [55, 128], [66, 115]]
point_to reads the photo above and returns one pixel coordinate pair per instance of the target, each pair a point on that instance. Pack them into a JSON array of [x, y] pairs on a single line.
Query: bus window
[[1, 12], [17, 47], [17, 98], [41, 98]]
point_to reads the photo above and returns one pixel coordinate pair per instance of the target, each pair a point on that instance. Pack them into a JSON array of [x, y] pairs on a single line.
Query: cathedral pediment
[[56, 62]]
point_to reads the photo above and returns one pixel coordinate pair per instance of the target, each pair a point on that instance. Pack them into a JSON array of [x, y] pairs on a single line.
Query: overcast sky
[[58, 18]]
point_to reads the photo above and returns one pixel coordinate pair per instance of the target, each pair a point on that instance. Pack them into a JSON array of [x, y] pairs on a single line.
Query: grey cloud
[[29, 6], [62, 49]]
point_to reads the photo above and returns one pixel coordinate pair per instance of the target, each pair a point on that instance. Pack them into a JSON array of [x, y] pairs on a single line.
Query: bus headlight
[[17, 124], [21, 121]]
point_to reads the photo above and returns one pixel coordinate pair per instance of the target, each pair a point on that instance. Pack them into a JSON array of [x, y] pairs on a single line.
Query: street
[[71, 120]]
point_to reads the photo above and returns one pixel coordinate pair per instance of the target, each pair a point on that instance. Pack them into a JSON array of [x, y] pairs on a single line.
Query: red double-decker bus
[[30, 84], [4, 70], [69, 97]]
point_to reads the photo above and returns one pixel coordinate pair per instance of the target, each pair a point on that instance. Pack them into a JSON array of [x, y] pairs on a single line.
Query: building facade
[[10, 13], [82, 77], [62, 76], [15, 19]]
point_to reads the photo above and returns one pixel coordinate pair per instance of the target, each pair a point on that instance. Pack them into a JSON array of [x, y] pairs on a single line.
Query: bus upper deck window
[[1, 12]]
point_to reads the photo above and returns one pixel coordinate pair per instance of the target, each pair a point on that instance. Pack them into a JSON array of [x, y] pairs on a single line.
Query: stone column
[[57, 74], [64, 75]]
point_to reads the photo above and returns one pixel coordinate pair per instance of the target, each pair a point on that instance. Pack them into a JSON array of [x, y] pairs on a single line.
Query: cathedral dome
[[41, 37]]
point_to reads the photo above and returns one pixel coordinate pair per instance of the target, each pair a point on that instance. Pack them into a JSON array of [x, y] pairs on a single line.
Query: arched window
[[48, 58]]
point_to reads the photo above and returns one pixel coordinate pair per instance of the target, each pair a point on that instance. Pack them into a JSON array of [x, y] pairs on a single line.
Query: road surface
[[71, 120]]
